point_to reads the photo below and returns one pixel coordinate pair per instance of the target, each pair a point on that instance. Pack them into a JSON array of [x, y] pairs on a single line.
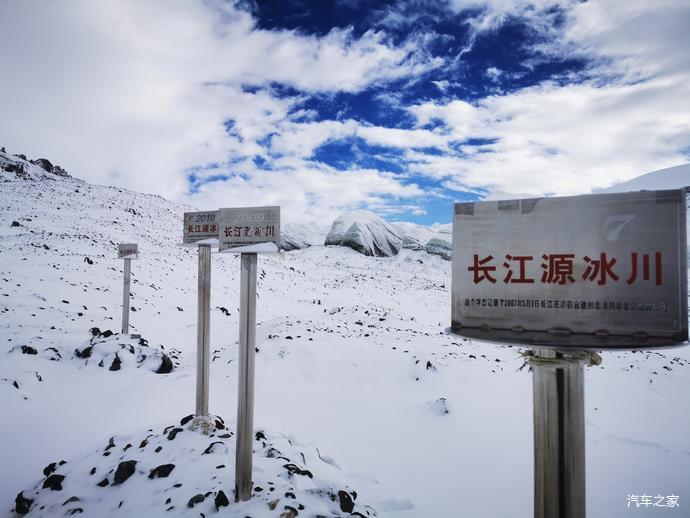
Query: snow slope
[[671, 178], [353, 363]]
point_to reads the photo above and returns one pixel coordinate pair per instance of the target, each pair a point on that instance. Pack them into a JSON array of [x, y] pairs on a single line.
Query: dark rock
[[259, 436], [103, 483], [54, 482], [294, 470], [22, 504], [347, 505], [85, 353], [27, 349], [166, 365], [88, 260], [186, 419], [173, 433], [15, 224], [49, 469], [221, 500], [124, 470], [106, 333], [93, 471], [44, 164], [196, 499], [161, 471], [115, 366], [70, 500], [75, 511], [210, 447], [94, 331]]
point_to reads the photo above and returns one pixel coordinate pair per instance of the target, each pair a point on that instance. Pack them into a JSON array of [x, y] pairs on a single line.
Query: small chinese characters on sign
[[645, 500], [127, 251], [248, 226], [199, 226]]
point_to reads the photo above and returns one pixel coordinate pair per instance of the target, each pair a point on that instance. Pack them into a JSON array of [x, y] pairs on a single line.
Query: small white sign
[[128, 251], [199, 226], [247, 226]]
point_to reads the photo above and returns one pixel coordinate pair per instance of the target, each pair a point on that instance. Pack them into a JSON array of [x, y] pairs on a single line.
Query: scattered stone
[[115, 366], [347, 505], [124, 470], [196, 499], [27, 349], [173, 433], [15, 224], [161, 471], [166, 365], [294, 470], [49, 469], [22, 504], [103, 482], [186, 419], [221, 500], [54, 482]]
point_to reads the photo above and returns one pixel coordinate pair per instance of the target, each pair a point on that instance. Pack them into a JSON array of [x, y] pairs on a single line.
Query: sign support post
[[245, 406], [125, 295], [203, 330], [126, 251], [559, 434]]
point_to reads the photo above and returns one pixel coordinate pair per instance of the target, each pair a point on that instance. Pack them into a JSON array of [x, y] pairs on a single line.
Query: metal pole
[[125, 296], [245, 405], [559, 434], [203, 330]]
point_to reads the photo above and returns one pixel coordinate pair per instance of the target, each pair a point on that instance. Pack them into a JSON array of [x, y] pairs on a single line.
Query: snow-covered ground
[[356, 380]]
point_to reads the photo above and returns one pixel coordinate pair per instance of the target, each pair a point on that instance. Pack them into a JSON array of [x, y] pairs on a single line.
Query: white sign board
[[604, 269], [127, 251], [248, 226], [199, 226]]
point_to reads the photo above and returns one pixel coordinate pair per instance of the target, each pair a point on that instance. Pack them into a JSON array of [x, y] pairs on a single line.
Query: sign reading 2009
[[603, 269]]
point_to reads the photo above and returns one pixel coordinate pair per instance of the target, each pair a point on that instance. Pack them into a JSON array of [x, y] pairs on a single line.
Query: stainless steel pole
[[245, 405], [125, 296], [559, 434], [203, 327]]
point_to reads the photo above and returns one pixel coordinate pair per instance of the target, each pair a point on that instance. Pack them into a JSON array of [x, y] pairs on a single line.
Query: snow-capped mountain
[[363, 403]]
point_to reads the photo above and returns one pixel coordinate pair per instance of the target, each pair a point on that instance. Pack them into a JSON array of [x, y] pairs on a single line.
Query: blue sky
[[400, 107]]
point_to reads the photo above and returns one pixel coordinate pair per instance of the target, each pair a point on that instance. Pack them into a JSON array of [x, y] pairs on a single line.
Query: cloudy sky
[[399, 107]]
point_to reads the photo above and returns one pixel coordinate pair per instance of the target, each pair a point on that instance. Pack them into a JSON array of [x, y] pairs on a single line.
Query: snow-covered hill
[[356, 381], [671, 178]]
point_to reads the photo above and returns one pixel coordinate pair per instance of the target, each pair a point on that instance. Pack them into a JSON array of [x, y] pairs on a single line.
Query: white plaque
[[199, 226], [602, 269], [247, 226], [128, 251]]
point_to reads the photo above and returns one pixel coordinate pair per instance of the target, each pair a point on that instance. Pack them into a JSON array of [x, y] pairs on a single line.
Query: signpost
[[603, 270], [126, 251], [247, 231], [201, 229], [567, 276]]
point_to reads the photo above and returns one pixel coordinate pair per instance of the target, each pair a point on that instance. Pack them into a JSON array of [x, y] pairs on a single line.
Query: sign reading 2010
[[604, 265]]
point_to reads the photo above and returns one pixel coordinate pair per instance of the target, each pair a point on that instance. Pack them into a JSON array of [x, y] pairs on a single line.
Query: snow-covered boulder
[[410, 243], [440, 247], [366, 233], [179, 470], [295, 236]]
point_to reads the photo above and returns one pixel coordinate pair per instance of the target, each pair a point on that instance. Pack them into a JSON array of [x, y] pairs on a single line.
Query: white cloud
[[133, 93], [316, 193]]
